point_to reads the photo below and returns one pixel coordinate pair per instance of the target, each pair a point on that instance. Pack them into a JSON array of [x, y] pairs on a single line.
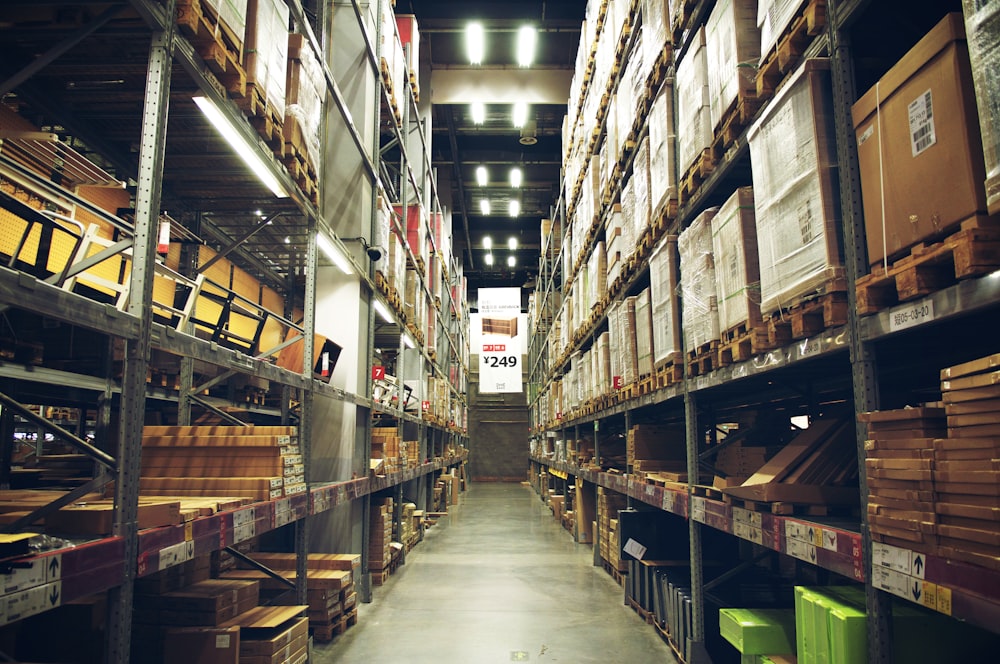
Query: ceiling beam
[[450, 117]]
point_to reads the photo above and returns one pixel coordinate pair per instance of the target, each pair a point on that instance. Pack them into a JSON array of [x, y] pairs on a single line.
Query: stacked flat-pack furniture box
[[664, 295], [700, 317], [645, 350], [305, 90], [796, 191], [982, 26], [662, 150], [630, 356], [693, 111], [266, 51], [731, 40], [640, 183], [918, 127], [656, 30], [737, 269], [773, 18]]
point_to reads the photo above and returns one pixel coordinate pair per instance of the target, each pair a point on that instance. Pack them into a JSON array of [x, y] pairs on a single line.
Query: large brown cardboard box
[[202, 645], [919, 145]]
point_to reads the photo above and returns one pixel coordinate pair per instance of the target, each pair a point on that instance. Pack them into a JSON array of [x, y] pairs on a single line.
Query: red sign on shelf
[[378, 373], [617, 382], [559, 415], [494, 348], [425, 406]]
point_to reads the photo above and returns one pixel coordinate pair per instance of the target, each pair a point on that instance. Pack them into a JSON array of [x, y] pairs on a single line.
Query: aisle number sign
[[498, 334]]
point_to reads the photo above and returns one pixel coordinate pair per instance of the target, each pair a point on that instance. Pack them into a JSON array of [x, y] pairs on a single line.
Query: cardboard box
[[759, 631], [202, 645], [737, 267], [916, 129], [700, 319]]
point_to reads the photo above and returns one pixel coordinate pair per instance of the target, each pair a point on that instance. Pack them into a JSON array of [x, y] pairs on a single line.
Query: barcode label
[[921, 112]]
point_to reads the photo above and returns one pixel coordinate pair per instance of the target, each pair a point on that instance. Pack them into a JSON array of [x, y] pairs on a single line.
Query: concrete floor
[[497, 580]]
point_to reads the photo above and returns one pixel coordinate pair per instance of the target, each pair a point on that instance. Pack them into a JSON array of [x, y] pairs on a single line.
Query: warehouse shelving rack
[[866, 364], [113, 563]]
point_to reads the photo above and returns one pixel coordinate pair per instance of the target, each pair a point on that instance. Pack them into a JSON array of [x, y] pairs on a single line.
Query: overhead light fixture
[[512, 244], [484, 206], [333, 253], [245, 150], [482, 176], [515, 177], [487, 243], [511, 261], [408, 341], [478, 112], [529, 133], [514, 207], [520, 113], [489, 259], [475, 42], [383, 311], [526, 38]]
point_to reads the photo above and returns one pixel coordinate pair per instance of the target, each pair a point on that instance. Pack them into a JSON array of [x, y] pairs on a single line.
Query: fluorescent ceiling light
[[482, 176], [484, 206], [489, 259], [511, 261], [520, 113], [514, 208], [515, 177], [331, 252], [245, 150], [408, 341], [475, 41], [383, 311], [478, 112], [512, 244], [487, 243], [525, 46]]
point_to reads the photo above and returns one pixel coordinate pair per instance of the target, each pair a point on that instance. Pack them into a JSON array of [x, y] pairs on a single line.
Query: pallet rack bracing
[[831, 371], [215, 370]]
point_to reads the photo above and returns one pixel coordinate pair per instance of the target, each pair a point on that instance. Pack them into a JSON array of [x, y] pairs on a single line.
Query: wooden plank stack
[[272, 635], [656, 448], [899, 463], [379, 540], [608, 505], [967, 464], [261, 463]]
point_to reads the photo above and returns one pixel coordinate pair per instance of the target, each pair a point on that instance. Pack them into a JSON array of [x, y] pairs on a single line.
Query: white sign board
[[499, 336]]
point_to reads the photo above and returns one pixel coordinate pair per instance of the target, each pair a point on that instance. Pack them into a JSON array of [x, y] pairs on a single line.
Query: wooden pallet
[[703, 359], [807, 318], [217, 44], [742, 342], [789, 509], [681, 17], [669, 374], [616, 574], [324, 633], [646, 384], [972, 251], [809, 22], [661, 219], [264, 118], [736, 118], [643, 613], [693, 178], [379, 577], [659, 71], [706, 491]]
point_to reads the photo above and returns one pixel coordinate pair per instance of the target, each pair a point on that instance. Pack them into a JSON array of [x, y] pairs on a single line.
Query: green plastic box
[[759, 631]]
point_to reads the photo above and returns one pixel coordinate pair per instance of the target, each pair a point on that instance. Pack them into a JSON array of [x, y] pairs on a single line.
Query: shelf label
[[745, 531], [829, 540], [698, 509], [891, 557], [795, 531], [176, 554], [911, 315], [753, 519], [808, 347], [801, 550], [668, 500], [891, 581], [944, 600], [918, 564]]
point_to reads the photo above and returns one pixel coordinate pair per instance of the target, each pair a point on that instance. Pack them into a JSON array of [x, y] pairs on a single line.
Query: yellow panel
[[163, 291], [242, 326], [220, 272], [11, 229], [173, 260], [246, 285], [274, 331]]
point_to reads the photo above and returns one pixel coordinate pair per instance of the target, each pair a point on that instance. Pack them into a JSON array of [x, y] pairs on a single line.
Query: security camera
[[376, 254]]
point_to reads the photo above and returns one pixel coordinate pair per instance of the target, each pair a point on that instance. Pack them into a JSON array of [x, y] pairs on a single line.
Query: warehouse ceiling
[[460, 146]]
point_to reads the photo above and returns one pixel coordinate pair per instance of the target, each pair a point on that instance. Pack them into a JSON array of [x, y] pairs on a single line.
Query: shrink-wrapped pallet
[[631, 90], [662, 150], [232, 14], [732, 47], [640, 189], [630, 357], [644, 344], [266, 50], [613, 242], [737, 269], [598, 274], [656, 32], [663, 292], [796, 199], [616, 344], [628, 199], [380, 233], [773, 17], [700, 320], [692, 103], [305, 90], [982, 25]]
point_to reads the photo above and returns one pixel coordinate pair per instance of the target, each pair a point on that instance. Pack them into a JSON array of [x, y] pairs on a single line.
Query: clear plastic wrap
[[630, 357], [628, 215], [644, 343], [732, 49], [700, 319], [773, 16], [631, 89], [640, 189], [266, 50], [611, 135], [692, 103], [604, 374], [656, 30], [796, 198], [598, 271], [982, 25], [662, 150], [380, 233], [613, 242], [304, 94], [737, 270], [232, 14], [663, 294], [615, 343]]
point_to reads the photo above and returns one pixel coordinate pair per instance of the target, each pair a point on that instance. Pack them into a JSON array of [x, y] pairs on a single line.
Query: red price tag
[[494, 348], [378, 373], [559, 415], [425, 406]]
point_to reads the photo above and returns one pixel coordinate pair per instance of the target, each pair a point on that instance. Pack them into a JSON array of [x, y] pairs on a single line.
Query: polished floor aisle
[[497, 580]]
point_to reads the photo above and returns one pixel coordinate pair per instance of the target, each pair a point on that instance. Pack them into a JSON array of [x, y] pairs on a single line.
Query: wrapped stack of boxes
[[700, 321], [386, 445], [982, 25], [305, 90]]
